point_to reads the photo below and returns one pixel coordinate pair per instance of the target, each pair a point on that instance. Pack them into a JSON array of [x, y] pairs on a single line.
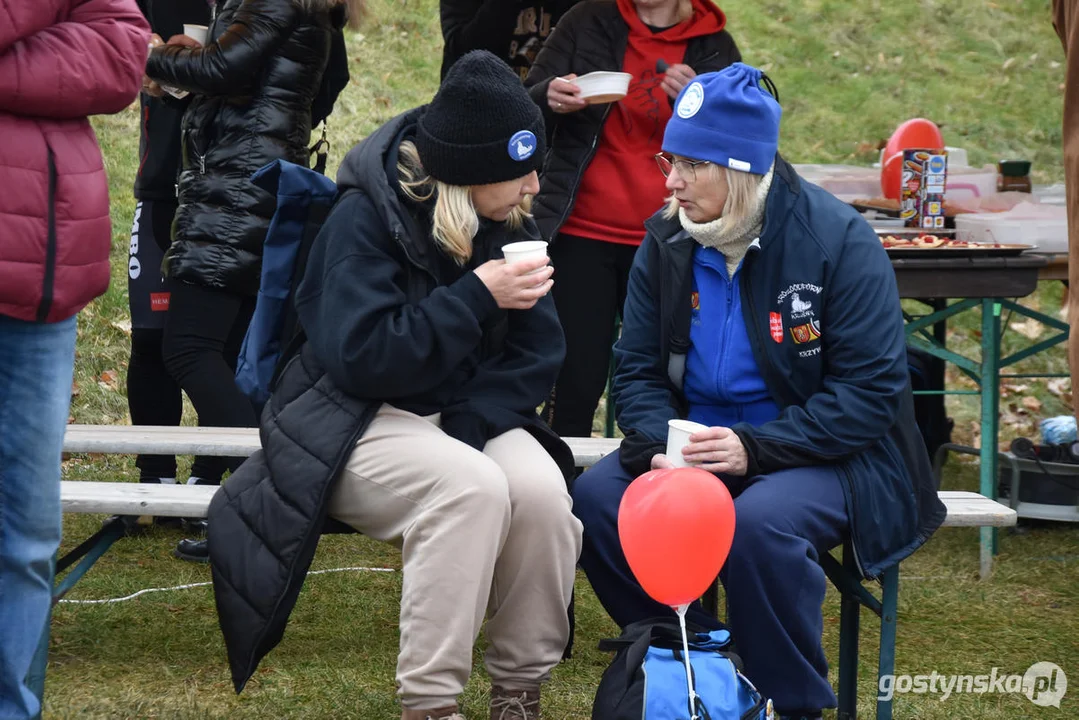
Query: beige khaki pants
[[486, 533]]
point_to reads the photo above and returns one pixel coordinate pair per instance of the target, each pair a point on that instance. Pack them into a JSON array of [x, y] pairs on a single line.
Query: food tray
[[910, 232], [967, 251]]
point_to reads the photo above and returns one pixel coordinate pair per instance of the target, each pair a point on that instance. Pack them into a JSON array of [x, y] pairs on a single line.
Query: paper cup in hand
[[527, 250], [678, 432], [196, 32]]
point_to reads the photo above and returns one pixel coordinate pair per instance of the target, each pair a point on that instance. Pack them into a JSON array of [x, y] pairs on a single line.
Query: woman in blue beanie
[[765, 309]]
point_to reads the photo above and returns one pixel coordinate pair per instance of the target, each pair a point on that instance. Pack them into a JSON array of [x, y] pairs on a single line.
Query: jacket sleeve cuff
[[472, 292], [468, 427], [749, 443], [636, 453]]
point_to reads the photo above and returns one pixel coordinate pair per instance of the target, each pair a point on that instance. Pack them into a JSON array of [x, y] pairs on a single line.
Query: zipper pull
[[202, 164]]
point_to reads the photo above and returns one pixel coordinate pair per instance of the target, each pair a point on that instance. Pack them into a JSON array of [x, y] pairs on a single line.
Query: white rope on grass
[[145, 591]]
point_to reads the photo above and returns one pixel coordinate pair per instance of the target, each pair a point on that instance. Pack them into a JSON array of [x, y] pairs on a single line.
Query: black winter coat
[[591, 36], [380, 328], [253, 91]]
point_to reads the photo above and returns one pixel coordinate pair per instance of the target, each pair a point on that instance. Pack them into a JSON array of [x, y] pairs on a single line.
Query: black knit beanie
[[481, 127]]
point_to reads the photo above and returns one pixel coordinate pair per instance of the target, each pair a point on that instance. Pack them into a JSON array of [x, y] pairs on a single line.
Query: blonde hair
[[455, 220], [741, 193]]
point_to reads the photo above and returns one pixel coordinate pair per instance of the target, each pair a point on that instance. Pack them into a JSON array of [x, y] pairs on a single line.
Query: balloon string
[[681, 610]]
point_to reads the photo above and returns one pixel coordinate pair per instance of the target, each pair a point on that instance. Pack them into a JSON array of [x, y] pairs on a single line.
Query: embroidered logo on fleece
[[775, 324], [806, 333]]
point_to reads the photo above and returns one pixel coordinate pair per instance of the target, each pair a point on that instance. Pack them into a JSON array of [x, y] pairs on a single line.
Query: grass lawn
[[989, 73]]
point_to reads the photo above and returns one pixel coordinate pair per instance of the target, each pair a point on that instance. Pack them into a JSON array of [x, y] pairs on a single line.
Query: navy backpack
[[646, 680], [304, 199]]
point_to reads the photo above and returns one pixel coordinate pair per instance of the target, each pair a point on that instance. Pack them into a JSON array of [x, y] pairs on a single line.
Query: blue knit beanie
[[727, 118]]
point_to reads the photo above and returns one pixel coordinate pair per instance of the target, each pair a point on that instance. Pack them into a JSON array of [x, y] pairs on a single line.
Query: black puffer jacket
[[253, 90], [591, 36], [265, 522]]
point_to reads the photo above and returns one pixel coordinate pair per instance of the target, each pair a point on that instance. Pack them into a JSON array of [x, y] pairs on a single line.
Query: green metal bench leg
[[990, 406], [889, 607], [850, 609]]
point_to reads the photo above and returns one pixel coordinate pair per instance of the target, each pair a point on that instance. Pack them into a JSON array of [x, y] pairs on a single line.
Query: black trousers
[[153, 396], [589, 291], [204, 330]]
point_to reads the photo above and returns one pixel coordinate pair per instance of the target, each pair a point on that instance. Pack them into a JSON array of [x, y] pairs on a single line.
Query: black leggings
[[153, 397], [204, 330], [589, 291]]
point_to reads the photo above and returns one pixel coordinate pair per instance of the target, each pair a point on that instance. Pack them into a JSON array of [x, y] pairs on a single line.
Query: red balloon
[[676, 527]]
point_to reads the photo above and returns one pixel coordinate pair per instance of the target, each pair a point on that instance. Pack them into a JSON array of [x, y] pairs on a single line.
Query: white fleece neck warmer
[[732, 240]]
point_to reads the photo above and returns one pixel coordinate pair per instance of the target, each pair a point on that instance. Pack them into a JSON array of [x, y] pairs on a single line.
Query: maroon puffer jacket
[[60, 61]]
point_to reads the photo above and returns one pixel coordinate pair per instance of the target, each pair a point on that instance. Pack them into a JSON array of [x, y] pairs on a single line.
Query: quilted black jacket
[[253, 90]]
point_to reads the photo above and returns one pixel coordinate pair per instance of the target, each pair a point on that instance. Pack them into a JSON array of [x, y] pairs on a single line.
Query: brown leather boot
[[515, 704], [443, 713]]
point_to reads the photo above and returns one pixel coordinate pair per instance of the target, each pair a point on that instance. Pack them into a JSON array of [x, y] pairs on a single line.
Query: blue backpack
[[304, 199], [646, 680]]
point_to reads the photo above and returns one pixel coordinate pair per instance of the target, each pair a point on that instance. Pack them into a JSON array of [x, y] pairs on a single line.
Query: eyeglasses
[[686, 168]]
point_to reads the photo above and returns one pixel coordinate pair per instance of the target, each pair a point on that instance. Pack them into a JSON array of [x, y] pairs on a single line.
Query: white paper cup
[[678, 432], [196, 32], [603, 87], [526, 250]]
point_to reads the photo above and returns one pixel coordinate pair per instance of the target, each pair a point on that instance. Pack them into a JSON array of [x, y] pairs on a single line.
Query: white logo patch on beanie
[[691, 101], [522, 145], [735, 164]]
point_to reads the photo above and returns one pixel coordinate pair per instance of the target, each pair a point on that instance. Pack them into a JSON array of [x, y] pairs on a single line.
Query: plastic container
[[846, 182], [968, 182], [1049, 235], [603, 87]]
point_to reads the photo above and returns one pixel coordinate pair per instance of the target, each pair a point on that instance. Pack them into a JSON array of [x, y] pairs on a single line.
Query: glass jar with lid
[[1014, 176]]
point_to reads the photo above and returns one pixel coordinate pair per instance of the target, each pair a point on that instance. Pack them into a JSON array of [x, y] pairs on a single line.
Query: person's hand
[[563, 96], [511, 285], [676, 78], [151, 88], [717, 450], [661, 462], [184, 40]]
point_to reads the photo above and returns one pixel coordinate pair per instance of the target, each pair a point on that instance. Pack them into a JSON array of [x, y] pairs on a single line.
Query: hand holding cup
[[518, 285]]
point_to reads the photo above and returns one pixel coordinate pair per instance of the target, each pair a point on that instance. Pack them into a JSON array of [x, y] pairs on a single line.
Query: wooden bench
[[125, 499]]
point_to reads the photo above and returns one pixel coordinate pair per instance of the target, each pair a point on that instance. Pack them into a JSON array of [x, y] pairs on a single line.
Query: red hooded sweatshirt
[[622, 186]]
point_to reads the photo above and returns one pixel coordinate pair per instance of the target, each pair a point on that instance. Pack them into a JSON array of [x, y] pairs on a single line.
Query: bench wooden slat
[[128, 498], [965, 509], [230, 442], [152, 440], [969, 509]]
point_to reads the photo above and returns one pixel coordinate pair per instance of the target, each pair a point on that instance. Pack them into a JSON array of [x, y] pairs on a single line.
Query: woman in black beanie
[[410, 411]]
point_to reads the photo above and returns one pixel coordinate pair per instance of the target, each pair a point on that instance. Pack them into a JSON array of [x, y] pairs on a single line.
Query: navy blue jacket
[[820, 304]]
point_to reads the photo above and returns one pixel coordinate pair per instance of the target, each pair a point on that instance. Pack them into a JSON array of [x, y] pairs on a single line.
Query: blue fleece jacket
[[723, 383]]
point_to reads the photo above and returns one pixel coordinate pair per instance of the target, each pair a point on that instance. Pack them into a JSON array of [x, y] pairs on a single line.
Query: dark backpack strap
[[292, 335]]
